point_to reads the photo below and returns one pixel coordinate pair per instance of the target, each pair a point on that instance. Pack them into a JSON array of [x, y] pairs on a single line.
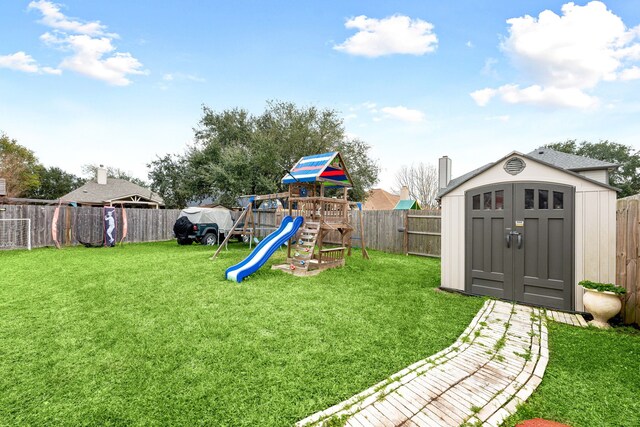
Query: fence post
[[405, 242]]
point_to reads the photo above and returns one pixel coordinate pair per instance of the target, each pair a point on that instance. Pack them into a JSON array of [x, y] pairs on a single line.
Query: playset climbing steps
[[304, 248]]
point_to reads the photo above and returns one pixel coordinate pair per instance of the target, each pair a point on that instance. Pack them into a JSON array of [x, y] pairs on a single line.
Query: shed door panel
[[489, 262], [543, 266]]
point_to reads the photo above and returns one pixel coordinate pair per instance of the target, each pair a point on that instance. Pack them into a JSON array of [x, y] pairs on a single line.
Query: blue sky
[[119, 82]]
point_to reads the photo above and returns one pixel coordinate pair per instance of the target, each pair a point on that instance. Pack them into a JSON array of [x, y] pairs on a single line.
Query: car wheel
[[184, 241], [209, 239]]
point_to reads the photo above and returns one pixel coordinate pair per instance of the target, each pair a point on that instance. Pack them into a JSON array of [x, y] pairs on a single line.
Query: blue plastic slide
[[264, 250]]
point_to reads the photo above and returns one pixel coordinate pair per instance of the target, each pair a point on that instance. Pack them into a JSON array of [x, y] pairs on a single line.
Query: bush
[[603, 287]]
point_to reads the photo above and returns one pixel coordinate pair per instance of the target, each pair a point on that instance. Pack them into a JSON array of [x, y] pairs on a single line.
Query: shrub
[[603, 287]]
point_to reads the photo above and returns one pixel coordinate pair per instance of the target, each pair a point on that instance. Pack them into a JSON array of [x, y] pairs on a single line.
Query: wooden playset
[[309, 180], [318, 188]]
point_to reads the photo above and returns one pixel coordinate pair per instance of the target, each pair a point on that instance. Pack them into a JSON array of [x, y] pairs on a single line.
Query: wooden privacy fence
[[402, 232], [628, 255], [85, 223], [395, 231]]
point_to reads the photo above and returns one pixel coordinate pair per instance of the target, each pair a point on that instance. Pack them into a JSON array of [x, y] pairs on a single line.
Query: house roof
[[569, 161], [404, 205], [380, 200], [327, 168], [114, 189], [454, 183]]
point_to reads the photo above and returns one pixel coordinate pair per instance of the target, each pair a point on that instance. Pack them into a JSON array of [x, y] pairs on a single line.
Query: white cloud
[[395, 34], [469, 44], [170, 77], [536, 95], [96, 57], [483, 96], [565, 56], [404, 114], [88, 48], [53, 18], [489, 67], [20, 61], [632, 73]]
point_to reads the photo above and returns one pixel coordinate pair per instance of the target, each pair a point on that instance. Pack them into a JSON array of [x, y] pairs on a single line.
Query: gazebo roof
[[327, 168]]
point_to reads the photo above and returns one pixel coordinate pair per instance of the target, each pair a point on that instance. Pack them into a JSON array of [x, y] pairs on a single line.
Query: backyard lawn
[[151, 334], [593, 379]]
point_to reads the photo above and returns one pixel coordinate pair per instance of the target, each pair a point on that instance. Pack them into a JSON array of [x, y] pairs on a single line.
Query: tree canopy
[[236, 153], [54, 183], [18, 166], [626, 177]]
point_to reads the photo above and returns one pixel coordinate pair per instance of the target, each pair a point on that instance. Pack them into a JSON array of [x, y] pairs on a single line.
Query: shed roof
[[326, 168], [454, 183], [404, 205], [569, 161], [114, 189]]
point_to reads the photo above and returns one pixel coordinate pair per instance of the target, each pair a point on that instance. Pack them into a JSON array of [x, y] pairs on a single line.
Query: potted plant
[[602, 301]]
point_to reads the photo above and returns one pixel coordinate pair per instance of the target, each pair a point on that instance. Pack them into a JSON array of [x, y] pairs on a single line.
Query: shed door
[[489, 262], [519, 243]]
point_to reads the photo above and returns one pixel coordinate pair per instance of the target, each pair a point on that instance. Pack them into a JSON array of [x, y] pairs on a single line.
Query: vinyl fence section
[[628, 255], [85, 224]]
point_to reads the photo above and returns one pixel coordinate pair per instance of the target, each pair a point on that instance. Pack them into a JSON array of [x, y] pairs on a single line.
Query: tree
[[422, 181], [626, 177], [90, 172], [167, 179], [18, 166], [54, 183], [236, 153]]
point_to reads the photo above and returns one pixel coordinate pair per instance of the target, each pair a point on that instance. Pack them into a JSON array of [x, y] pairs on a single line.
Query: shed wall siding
[[598, 175], [595, 225]]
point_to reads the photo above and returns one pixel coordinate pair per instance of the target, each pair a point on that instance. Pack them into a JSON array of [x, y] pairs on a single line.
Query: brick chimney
[[444, 171], [101, 175]]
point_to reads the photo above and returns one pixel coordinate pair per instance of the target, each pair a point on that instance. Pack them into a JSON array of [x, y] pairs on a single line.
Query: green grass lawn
[[592, 380], [151, 334]]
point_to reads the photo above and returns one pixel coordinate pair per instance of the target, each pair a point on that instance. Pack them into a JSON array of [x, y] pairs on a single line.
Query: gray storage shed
[[529, 227]]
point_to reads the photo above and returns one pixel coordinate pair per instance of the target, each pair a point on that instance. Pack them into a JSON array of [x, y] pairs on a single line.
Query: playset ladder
[[304, 247]]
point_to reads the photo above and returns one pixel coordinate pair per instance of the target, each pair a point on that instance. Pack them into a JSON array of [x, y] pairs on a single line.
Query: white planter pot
[[602, 306]]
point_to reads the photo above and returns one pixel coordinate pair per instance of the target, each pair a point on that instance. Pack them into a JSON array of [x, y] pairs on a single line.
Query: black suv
[[187, 232]]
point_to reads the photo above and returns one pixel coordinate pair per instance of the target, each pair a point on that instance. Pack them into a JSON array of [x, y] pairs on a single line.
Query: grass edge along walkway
[[479, 380]]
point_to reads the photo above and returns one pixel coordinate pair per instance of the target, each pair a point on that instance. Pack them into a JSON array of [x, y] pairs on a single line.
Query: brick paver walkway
[[479, 380]]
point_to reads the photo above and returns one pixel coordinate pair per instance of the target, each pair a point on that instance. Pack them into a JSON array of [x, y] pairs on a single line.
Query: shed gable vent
[[514, 165]]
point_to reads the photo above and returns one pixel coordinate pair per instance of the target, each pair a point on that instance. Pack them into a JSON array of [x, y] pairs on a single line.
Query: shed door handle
[[514, 233]]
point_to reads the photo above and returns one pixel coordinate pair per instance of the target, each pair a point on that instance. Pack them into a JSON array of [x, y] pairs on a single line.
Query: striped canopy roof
[[326, 168]]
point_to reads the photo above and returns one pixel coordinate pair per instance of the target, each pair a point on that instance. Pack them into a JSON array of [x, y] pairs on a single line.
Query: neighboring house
[[113, 192], [529, 227], [380, 200]]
